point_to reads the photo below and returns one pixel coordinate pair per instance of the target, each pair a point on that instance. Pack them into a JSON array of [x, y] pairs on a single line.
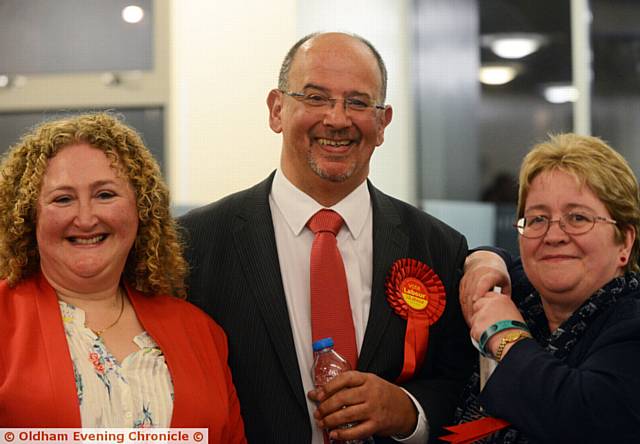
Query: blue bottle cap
[[322, 343]]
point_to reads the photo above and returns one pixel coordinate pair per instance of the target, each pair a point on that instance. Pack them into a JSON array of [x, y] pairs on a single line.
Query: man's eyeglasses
[[533, 227], [321, 101]]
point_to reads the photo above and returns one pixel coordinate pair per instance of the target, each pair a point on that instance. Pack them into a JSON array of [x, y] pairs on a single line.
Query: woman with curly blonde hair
[[91, 334]]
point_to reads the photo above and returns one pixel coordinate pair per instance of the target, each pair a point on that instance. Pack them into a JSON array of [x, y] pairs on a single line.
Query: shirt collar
[[297, 207]]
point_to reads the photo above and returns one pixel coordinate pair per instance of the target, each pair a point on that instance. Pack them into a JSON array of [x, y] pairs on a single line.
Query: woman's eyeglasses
[[533, 227]]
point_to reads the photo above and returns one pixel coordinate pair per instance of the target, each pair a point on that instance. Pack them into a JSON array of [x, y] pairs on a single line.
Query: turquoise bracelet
[[496, 328]]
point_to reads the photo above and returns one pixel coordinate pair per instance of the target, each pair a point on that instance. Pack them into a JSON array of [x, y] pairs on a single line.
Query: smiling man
[[251, 258], [327, 145]]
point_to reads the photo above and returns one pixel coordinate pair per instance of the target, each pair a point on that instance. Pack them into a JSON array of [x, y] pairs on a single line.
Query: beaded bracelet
[[496, 328]]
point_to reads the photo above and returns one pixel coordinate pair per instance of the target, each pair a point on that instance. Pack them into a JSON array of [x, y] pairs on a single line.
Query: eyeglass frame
[[520, 224], [331, 101]]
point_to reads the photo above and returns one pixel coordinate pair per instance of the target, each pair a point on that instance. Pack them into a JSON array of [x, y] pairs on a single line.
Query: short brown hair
[[597, 165], [155, 264]]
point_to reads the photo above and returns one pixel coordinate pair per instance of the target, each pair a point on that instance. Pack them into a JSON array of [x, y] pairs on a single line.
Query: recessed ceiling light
[[132, 14], [497, 74], [513, 45]]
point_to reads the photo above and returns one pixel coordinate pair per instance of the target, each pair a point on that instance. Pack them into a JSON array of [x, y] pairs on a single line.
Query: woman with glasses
[[566, 334]]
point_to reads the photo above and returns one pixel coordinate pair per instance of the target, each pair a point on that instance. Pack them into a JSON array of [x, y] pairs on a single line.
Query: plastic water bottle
[[327, 364]]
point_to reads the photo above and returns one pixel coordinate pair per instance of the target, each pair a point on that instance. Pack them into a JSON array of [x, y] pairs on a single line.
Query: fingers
[[342, 391], [342, 406], [474, 287], [343, 381], [336, 418], [367, 402], [336, 401], [484, 262], [483, 270], [354, 431]]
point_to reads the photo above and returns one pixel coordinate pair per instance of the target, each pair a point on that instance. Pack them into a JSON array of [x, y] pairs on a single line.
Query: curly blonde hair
[[597, 165], [155, 264]]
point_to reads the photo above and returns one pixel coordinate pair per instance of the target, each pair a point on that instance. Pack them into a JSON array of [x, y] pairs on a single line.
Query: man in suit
[[249, 254]]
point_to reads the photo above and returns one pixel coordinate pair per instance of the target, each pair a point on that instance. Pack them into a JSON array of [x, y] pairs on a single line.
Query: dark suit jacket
[[236, 278], [593, 396]]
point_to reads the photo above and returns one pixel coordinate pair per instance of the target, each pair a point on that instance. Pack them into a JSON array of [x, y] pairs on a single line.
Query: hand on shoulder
[[483, 270]]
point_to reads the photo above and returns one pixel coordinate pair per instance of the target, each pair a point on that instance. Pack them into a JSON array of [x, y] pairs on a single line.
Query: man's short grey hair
[[283, 78]]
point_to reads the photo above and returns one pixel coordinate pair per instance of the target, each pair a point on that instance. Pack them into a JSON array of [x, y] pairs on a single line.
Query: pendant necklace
[[99, 333]]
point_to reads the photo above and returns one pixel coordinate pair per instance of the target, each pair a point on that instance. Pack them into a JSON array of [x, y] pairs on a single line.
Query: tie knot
[[325, 220]]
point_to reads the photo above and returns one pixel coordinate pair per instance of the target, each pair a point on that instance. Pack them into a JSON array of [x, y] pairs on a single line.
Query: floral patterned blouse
[[137, 392]]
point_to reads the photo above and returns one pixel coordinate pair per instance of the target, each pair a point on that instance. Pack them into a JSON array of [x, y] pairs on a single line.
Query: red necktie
[[330, 307]]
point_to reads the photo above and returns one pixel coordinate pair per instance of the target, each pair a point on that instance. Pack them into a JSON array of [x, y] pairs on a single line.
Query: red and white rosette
[[415, 292]]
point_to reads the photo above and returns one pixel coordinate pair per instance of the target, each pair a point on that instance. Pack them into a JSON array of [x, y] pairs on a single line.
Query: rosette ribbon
[[416, 293]]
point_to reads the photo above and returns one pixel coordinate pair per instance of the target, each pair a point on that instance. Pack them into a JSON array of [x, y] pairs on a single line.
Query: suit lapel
[[389, 244], [255, 244]]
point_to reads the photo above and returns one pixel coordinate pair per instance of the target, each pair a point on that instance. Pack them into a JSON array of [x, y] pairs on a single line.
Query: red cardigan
[[37, 386]]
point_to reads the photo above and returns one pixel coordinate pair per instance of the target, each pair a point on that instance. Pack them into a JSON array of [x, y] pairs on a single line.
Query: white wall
[[88, 90], [225, 57], [215, 62], [381, 22]]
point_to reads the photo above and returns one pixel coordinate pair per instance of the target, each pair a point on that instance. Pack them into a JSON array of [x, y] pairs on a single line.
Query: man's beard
[[338, 178]]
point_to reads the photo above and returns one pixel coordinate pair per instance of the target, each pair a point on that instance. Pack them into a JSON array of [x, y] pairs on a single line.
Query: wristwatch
[[510, 338]]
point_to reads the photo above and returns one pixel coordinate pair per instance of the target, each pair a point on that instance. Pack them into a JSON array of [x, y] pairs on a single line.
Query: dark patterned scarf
[[559, 343]]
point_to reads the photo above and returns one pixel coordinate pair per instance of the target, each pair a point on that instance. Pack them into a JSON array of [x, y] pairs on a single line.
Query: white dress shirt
[[290, 210]]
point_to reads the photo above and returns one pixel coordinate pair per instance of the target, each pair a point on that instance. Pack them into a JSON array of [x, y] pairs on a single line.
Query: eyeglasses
[[323, 102], [533, 227]]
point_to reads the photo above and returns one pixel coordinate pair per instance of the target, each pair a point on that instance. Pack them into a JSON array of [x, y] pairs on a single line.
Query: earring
[[623, 259]]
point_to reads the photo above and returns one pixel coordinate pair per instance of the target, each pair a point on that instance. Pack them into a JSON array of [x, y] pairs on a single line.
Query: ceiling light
[[560, 93], [513, 45], [132, 14], [497, 74]]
